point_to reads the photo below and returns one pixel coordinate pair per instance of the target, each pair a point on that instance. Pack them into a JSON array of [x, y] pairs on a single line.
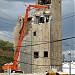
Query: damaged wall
[[38, 38], [17, 30]]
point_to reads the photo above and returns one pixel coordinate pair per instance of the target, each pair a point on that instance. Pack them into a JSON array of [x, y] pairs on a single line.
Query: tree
[[6, 53]]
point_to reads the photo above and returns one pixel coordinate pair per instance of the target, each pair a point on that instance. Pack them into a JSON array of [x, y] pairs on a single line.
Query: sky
[[11, 9], [68, 25]]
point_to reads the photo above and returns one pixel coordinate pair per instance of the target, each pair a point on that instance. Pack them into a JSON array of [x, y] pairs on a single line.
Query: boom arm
[[14, 66]]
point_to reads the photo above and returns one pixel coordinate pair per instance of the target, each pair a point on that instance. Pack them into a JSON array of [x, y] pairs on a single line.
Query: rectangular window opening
[[36, 54], [34, 33], [47, 1], [47, 19], [41, 20], [43, 2], [45, 53]]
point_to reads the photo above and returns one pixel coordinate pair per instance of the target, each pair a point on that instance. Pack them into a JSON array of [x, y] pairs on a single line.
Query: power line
[[55, 19], [7, 33], [38, 56], [7, 15], [68, 17], [49, 42], [14, 18], [3, 33], [6, 23], [6, 47], [62, 19], [69, 14], [36, 64], [7, 19], [6, 36]]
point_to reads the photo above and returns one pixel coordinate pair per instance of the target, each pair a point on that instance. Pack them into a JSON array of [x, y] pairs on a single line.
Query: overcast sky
[[10, 9], [68, 23]]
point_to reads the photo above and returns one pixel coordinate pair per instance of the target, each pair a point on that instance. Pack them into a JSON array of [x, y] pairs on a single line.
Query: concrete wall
[[46, 34], [40, 42], [56, 34]]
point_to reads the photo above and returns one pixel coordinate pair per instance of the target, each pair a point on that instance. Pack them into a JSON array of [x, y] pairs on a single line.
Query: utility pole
[[69, 45], [70, 63]]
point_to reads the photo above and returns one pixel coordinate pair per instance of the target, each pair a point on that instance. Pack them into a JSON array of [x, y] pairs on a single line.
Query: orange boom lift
[[14, 65]]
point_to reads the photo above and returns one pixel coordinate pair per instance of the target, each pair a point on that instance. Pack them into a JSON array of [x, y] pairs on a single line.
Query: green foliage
[[6, 53], [1, 52], [6, 45]]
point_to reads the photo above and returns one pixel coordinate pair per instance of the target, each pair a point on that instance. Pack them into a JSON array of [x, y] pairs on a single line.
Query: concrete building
[[40, 51]]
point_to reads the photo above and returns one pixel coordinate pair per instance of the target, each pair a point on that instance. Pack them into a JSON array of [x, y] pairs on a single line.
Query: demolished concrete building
[[40, 51]]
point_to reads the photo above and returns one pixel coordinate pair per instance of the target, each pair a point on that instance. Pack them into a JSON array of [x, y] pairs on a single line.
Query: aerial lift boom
[[14, 65]]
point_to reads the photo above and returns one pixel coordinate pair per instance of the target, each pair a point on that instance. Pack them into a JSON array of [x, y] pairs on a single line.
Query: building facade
[[41, 49]]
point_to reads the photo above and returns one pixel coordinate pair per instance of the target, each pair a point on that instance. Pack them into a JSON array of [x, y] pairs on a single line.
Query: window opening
[[47, 1], [43, 2], [36, 54], [41, 20], [37, 20], [47, 19], [30, 18], [40, 2], [34, 33], [45, 53]]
